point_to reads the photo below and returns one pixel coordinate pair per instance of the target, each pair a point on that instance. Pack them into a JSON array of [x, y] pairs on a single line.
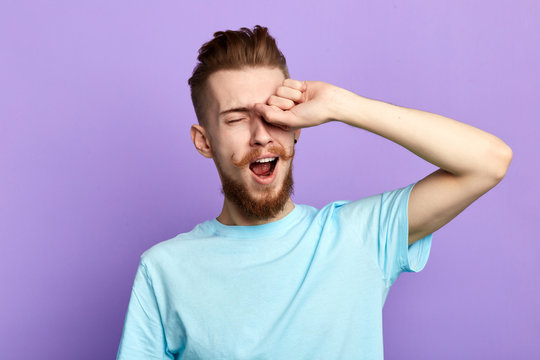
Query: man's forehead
[[239, 89]]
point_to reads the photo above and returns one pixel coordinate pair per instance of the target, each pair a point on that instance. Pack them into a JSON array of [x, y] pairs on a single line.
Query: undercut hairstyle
[[233, 50]]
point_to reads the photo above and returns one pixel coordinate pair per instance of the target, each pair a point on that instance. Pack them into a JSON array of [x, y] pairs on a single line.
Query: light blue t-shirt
[[311, 285]]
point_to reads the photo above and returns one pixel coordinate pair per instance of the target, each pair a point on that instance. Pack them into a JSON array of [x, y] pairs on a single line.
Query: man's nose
[[260, 134]]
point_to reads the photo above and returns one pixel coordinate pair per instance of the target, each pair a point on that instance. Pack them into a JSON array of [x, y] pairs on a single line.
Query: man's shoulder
[[339, 206], [176, 245], [370, 207], [363, 210]]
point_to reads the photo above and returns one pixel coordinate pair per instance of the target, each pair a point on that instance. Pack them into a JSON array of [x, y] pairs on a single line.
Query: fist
[[298, 104]]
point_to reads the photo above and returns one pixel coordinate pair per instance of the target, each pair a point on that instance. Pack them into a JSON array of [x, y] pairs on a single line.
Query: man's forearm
[[456, 147]]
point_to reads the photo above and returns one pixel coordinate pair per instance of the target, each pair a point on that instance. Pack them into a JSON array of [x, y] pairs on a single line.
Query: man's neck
[[232, 215]]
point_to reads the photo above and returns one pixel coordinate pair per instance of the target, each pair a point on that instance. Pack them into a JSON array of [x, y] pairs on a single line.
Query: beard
[[266, 205]]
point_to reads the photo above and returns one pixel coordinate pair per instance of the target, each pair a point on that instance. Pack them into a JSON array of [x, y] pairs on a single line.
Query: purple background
[[97, 164]]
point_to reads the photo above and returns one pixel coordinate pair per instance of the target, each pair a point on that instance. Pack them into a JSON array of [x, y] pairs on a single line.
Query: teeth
[[265, 160]]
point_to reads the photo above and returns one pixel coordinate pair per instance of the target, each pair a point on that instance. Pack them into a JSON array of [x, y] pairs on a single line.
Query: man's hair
[[233, 50]]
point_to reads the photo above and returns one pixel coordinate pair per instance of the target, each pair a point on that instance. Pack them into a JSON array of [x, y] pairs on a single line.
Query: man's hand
[[299, 104]]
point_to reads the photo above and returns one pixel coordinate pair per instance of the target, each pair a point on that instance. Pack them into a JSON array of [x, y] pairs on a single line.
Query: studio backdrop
[[97, 165]]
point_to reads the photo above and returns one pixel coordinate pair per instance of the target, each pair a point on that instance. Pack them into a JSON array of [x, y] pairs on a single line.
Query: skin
[[228, 138], [470, 161]]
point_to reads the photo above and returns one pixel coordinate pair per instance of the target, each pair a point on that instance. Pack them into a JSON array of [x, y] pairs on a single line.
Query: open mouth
[[264, 167]]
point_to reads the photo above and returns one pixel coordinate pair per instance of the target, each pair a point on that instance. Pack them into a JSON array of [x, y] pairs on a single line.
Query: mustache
[[274, 149]]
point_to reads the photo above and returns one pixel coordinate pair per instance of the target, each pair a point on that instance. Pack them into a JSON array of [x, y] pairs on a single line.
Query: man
[[270, 279]]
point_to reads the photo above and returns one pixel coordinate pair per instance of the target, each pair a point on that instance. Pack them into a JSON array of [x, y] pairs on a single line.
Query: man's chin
[[265, 203]]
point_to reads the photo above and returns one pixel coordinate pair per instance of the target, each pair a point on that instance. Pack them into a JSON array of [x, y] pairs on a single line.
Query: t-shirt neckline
[[274, 228]]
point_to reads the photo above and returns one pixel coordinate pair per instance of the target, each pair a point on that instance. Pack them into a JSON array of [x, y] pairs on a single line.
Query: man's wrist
[[347, 107]]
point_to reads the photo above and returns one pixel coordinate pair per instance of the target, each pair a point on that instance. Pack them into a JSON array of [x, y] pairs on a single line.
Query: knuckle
[[298, 96], [282, 91], [295, 84], [280, 102], [272, 100], [289, 104], [289, 94]]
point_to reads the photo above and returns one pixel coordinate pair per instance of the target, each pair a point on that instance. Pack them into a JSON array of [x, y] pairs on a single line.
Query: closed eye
[[233, 121]]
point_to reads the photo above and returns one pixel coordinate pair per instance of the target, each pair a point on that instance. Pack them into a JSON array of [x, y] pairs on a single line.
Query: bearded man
[[271, 279]]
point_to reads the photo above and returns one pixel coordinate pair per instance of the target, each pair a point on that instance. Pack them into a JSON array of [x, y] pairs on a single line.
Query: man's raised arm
[[471, 161]]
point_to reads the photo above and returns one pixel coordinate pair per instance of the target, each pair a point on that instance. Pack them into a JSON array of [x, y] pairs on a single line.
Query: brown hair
[[231, 50]]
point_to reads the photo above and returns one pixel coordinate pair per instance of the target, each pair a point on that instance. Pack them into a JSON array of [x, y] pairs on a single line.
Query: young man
[[270, 279]]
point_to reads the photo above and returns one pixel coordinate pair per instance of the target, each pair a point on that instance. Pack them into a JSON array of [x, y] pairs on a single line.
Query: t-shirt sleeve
[[143, 336], [395, 255]]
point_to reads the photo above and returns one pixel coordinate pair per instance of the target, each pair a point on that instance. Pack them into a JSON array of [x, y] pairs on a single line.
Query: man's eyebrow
[[239, 109]]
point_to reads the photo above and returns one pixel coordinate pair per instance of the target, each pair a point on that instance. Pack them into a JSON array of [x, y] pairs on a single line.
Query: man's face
[[253, 157]]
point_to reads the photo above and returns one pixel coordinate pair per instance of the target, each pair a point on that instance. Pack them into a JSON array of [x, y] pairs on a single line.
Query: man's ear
[[296, 134], [200, 140]]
